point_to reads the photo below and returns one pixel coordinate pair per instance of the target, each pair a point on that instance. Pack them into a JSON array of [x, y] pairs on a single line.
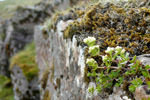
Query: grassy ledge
[[26, 61]]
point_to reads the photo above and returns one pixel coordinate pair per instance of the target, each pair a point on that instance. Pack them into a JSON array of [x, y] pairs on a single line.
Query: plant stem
[[114, 68]]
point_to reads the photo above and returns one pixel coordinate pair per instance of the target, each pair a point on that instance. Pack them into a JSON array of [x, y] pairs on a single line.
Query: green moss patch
[[6, 91], [26, 61], [113, 25]]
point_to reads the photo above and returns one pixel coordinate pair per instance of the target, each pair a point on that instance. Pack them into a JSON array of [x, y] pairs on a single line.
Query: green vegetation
[[26, 61], [116, 68], [6, 91], [8, 7], [113, 25]]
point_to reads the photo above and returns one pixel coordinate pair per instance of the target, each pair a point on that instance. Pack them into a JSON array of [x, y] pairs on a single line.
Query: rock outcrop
[[61, 53], [18, 32]]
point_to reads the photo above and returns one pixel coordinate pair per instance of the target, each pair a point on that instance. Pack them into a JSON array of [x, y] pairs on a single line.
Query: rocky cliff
[[61, 53], [58, 28]]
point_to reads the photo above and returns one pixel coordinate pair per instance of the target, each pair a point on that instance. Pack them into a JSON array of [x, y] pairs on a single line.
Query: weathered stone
[[145, 59], [23, 23], [5, 48], [140, 93], [23, 89], [64, 62]]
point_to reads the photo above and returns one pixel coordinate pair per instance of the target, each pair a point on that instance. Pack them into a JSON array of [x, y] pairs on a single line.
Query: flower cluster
[[93, 49], [91, 62], [90, 41]]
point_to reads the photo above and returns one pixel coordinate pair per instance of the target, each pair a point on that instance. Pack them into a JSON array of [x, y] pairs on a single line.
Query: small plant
[[116, 68]]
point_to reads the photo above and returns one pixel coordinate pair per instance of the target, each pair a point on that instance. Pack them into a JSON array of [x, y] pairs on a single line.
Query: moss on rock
[[114, 25], [6, 90], [26, 61]]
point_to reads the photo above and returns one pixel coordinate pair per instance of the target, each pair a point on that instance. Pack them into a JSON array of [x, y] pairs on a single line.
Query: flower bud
[[104, 58], [90, 41], [123, 51], [118, 48], [91, 62], [109, 50]]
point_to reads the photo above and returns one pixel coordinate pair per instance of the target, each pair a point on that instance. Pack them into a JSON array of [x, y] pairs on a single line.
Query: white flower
[[126, 98], [110, 50], [90, 41], [91, 62], [94, 50], [123, 51], [104, 58], [118, 48]]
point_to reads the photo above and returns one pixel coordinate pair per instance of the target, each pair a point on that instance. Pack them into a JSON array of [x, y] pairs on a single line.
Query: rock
[[5, 48], [22, 25], [61, 54], [61, 67], [23, 89], [140, 94], [24, 73], [145, 59]]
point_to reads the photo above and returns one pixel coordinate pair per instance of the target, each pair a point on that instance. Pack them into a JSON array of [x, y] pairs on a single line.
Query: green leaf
[[139, 81], [132, 88], [93, 73], [99, 88], [133, 59], [144, 73], [108, 69], [91, 90], [107, 64], [133, 71], [117, 84], [97, 80], [137, 63], [89, 74], [127, 73], [148, 83], [147, 66], [136, 82], [120, 79]]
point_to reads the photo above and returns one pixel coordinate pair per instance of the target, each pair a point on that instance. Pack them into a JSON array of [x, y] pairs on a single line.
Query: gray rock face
[[22, 25], [19, 29], [5, 47], [145, 59], [61, 67], [23, 89]]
